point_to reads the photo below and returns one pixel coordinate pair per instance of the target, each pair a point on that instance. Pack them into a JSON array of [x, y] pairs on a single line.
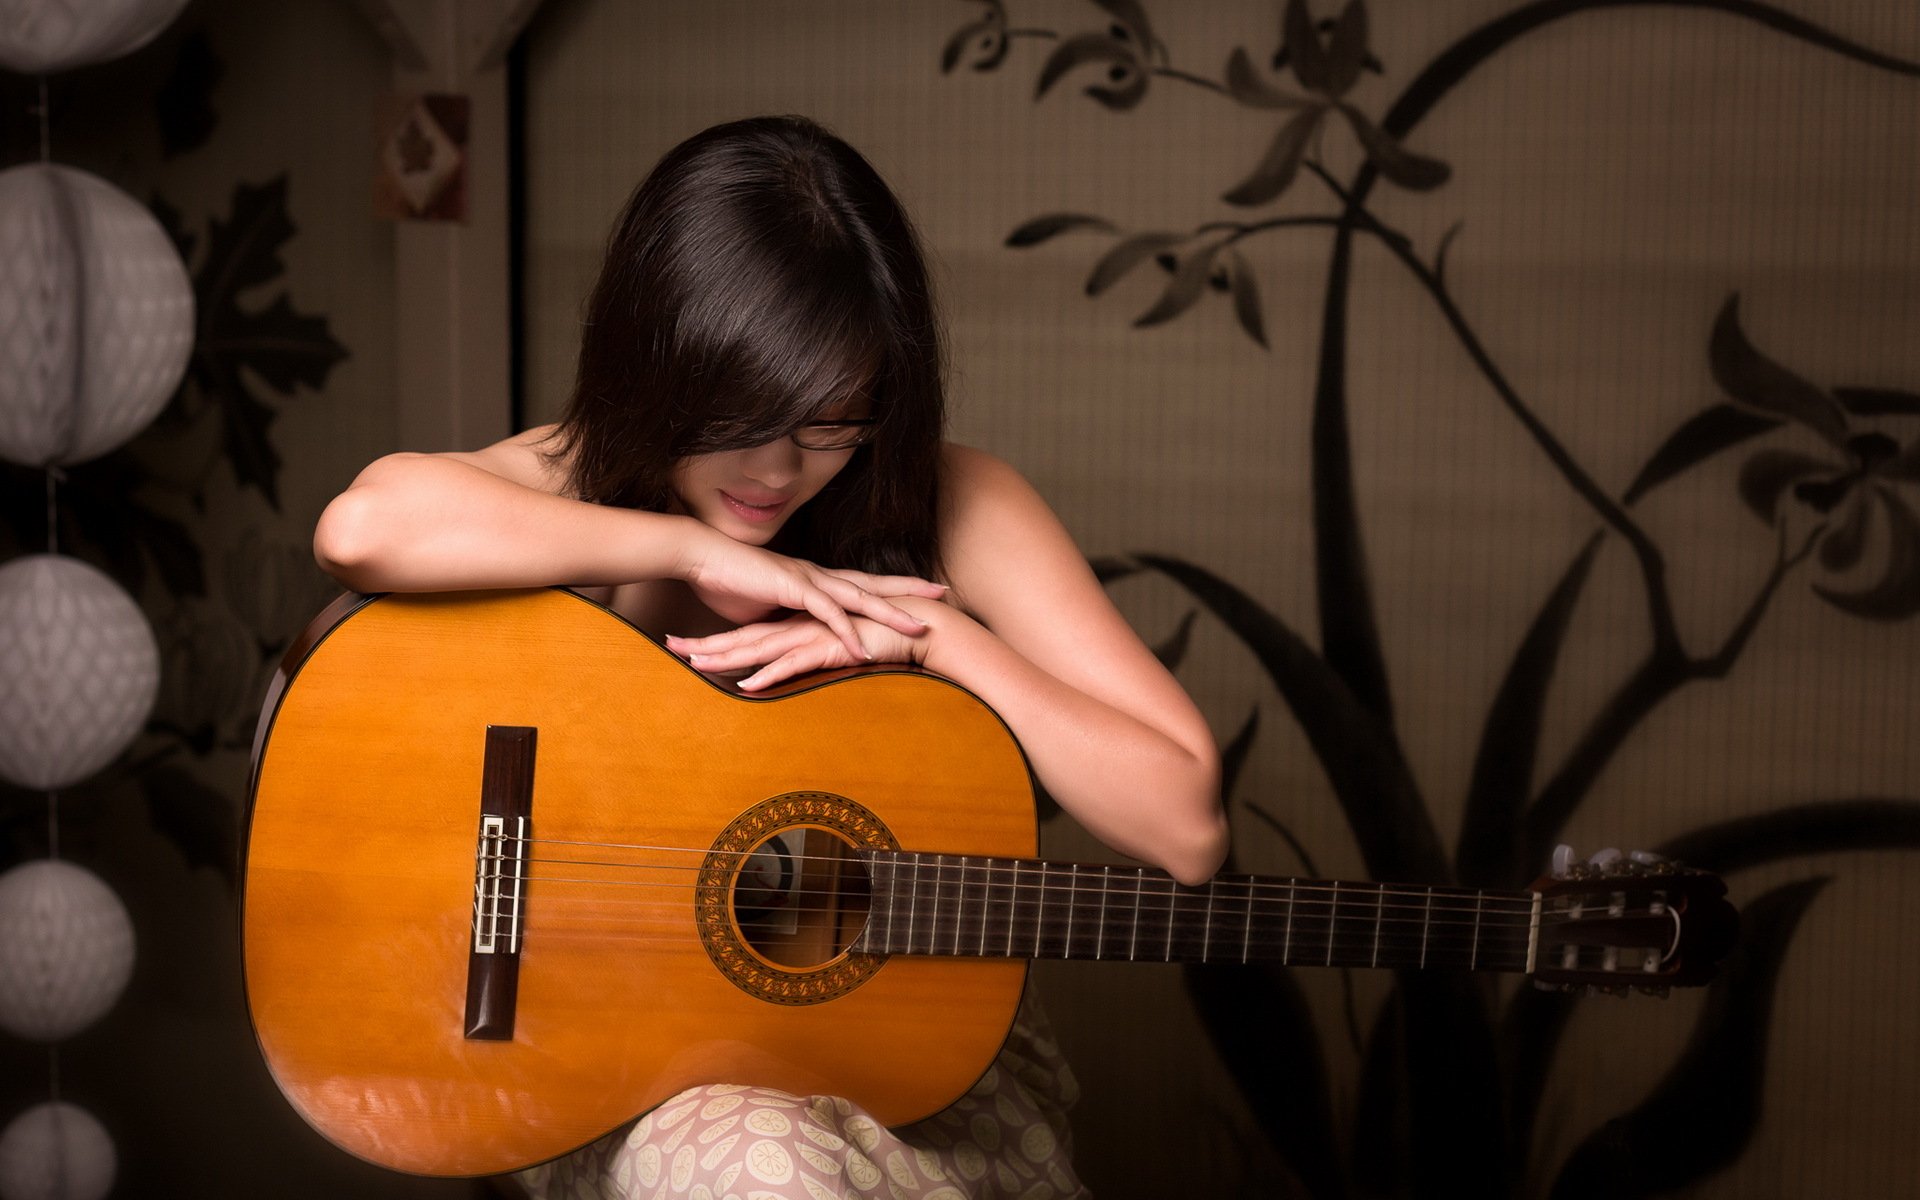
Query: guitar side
[[361, 860]]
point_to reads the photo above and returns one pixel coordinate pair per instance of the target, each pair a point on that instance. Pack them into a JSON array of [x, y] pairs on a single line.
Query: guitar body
[[360, 894]]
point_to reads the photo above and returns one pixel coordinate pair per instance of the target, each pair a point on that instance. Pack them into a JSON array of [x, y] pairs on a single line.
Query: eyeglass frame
[[864, 425]]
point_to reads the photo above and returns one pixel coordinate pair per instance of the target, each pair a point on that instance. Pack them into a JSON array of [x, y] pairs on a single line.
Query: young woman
[[752, 464]]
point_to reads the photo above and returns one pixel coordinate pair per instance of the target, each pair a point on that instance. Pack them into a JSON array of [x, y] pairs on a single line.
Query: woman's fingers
[[858, 599], [893, 585]]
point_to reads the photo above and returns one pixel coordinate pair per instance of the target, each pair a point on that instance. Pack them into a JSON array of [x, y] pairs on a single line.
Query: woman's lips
[[757, 513]]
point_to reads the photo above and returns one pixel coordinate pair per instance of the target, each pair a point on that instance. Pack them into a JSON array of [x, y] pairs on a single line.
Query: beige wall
[[1615, 177]]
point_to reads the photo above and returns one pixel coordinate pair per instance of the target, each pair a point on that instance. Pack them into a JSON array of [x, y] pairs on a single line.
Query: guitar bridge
[[500, 882]]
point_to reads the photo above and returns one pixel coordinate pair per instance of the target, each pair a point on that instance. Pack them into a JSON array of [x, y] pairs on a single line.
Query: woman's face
[[749, 494]]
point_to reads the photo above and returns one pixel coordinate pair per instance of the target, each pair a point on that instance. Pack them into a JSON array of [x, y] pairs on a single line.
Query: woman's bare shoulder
[[531, 459]]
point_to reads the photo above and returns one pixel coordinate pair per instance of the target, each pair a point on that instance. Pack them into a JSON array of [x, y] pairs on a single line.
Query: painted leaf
[[1246, 297], [276, 344], [1878, 402], [1125, 255], [1249, 87], [1188, 283], [1530, 1032], [1281, 162], [1702, 436], [1904, 465], [1130, 14], [1380, 1119], [1077, 51], [1362, 759], [1053, 225], [1302, 44], [1412, 171], [1503, 766], [1127, 94], [1454, 1091], [1758, 382], [1897, 594], [103, 508], [1797, 830], [1703, 1114], [1173, 651], [1770, 472], [1113, 568], [1347, 48], [1841, 548], [988, 37]]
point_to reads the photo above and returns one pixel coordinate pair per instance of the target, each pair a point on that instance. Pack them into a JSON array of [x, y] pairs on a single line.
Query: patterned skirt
[[1006, 1139]]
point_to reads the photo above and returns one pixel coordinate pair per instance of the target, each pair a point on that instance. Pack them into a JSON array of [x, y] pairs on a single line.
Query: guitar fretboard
[[946, 904]]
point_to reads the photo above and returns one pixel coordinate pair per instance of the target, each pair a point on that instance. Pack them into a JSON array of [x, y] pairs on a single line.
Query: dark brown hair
[[762, 272]]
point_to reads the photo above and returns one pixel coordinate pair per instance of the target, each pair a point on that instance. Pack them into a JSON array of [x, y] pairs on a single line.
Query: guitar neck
[[953, 905]]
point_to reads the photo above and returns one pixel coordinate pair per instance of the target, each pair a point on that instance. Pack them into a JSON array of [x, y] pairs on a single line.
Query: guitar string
[[942, 861], [1490, 900], [1366, 916], [1358, 909]]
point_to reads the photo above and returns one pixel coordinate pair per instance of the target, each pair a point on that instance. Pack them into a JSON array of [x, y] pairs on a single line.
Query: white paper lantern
[[56, 1151], [96, 315], [39, 36], [78, 670], [66, 949]]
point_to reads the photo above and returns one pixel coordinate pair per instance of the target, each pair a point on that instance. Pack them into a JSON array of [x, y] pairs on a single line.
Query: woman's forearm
[[1131, 785], [428, 523]]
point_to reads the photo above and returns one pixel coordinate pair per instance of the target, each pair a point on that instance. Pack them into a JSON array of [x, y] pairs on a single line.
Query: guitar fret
[[959, 903], [913, 901], [1040, 912], [1073, 893], [1013, 906], [1246, 930], [1333, 920], [1173, 906], [933, 914], [1106, 883], [1426, 923], [1206, 930], [1286, 946], [1139, 886], [1379, 910], [1473, 960]]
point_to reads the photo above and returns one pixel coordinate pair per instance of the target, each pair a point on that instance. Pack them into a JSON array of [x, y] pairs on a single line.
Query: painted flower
[[1859, 472], [1127, 49], [982, 44], [1325, 72]]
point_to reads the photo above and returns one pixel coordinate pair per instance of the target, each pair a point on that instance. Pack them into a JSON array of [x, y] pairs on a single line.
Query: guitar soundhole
[[783, 894], [801, 897]]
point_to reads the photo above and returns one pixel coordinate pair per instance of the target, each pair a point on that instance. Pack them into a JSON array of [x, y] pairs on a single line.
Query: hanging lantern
[[66, 949], [78, 670], [96, 315], [56, 1151], [42, 36]]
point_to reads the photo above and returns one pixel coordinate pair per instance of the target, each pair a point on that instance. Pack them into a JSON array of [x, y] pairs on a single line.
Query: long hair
[[762, 272]]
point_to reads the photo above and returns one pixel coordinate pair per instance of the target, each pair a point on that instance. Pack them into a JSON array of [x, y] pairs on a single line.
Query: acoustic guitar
[[515, 875]]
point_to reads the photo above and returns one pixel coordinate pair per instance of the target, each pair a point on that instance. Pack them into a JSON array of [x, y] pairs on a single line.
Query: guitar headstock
[[1630, 921]]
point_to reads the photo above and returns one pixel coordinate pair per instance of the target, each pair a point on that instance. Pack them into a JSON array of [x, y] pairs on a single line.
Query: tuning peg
[[1657, 991], [1562, 861], [1604, 858], [1648, 858]]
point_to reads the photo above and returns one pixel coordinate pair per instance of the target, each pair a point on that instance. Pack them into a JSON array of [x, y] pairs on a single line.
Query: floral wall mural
[[1452, 1075], [1221, 277]]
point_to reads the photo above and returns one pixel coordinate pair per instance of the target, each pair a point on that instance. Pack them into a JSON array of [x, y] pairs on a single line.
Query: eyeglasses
[[844, 434]]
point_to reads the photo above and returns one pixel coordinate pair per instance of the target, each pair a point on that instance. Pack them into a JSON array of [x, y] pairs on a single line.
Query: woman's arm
[[498, 518], [1111, 735]]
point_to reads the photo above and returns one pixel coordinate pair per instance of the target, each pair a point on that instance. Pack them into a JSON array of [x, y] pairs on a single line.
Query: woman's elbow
[[1199, 849], [344, 541]]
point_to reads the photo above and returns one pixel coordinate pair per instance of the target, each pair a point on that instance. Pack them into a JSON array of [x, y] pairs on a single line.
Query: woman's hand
[[746, 583], [784, 649]]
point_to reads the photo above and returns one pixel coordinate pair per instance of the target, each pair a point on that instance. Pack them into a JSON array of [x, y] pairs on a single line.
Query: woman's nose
[[775, 464]]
